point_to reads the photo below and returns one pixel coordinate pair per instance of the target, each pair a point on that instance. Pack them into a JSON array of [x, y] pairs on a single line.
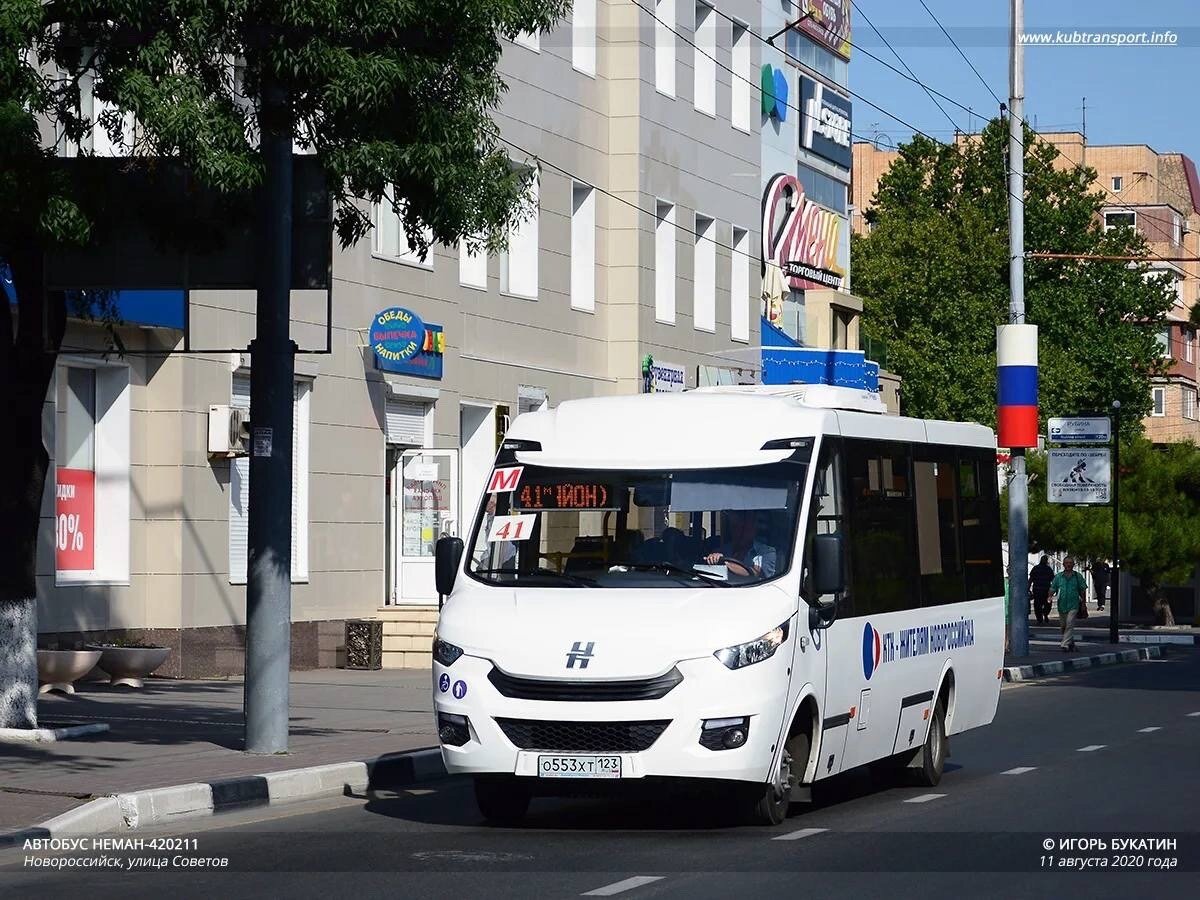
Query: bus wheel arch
[[805, 722], [945, 695]]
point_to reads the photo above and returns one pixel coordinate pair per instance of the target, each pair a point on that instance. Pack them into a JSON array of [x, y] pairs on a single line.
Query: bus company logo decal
[[905, 643], [870, 650]]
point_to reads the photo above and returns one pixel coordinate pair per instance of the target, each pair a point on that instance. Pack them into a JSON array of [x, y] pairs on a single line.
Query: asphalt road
[[1100, 753]]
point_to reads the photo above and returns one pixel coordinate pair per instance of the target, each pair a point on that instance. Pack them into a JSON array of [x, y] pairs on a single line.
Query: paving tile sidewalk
[[176, 732]]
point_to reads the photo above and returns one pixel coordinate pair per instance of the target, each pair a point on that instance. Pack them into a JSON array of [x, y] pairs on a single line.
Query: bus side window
[[882, 545], [980, 517], [939, 555], [828, 517]]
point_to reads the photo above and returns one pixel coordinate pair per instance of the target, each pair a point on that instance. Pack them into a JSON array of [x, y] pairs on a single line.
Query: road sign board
[[1079, 476], [1079, 430]]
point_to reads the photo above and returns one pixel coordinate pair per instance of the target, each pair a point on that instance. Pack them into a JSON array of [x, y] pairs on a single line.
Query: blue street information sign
[[1079, 430]]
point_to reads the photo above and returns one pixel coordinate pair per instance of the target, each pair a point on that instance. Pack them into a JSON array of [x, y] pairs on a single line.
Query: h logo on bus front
[[580, 654]]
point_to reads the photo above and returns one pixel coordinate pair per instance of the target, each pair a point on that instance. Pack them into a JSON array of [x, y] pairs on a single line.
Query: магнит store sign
[[825, 122], [799, 236]]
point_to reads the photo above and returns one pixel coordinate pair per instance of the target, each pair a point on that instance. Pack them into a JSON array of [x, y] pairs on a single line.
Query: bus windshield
[[606, 528]]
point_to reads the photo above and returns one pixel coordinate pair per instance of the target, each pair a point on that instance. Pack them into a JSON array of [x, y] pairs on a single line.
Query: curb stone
[[1059, 666], [157, 806]]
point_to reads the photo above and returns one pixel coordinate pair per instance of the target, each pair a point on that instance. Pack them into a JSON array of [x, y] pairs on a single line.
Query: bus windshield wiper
[[672, 569], [517, 573]]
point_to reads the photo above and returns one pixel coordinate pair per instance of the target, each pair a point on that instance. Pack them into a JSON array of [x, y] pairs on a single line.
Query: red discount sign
[[74, 517]]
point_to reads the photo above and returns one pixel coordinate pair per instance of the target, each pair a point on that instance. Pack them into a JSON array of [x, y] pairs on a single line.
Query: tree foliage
[[1160, 517], [383, 92], [933, 272]]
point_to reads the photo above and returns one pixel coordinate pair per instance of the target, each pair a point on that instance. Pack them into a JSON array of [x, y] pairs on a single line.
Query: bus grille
[[582, 737], [586, 691]]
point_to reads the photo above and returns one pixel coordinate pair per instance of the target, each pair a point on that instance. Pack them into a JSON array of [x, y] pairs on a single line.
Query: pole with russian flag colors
[[1016, 356]]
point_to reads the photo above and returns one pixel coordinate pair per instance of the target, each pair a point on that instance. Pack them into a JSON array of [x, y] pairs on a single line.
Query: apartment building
[[638, 271], [1159, 195]]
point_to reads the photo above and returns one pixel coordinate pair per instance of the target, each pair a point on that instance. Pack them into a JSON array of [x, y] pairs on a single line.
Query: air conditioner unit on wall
[[228, 430]]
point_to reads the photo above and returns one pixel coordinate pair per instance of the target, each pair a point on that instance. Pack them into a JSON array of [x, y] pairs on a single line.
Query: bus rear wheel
[[927, 767], [502, 800]]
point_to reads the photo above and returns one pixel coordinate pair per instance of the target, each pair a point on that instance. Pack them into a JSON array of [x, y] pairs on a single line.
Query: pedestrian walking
[[1070, 589], [1040, 577], [1100, 576]]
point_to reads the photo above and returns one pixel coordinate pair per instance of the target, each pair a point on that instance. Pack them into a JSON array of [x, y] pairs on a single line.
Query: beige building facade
[[644, 244]]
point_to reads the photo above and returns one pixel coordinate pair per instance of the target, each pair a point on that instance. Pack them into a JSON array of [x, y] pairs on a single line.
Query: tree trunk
[[1162, 610], [29, 345], [18, 663]]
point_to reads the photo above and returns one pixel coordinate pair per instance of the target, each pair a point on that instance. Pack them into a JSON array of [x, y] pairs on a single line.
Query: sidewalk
[[176, 732]]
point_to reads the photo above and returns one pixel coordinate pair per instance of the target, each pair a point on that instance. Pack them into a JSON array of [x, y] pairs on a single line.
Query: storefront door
[[426, 507]]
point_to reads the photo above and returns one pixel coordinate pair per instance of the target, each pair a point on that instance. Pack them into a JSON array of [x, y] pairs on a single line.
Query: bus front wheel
[[502, 800], [772, 803]]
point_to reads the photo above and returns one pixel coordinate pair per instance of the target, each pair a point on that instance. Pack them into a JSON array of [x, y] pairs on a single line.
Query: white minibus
[[754, 588]]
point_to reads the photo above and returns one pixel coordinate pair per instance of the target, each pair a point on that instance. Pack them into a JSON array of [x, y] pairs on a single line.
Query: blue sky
[[1134, 94]]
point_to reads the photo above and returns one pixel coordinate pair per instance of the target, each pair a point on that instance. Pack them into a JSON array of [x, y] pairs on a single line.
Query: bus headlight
[[754, 651], [445, 652]]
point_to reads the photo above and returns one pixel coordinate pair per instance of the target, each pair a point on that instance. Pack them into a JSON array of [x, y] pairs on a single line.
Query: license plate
[[579, 767]]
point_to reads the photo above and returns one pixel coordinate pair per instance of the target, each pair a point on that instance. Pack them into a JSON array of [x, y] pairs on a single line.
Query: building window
[[739, 281], [519, 262], [239, 485], [389, 238], [583, 246], [705, 274], [740, 113], [1160, 401], [1176, 229], [530, 40], [91, 475], [1189, 403], [472, 267], [820, 188], [1189, 340], [1117, 183], [664, 263], [583, 36], [804, 49], [664, 46], [1164, 343], [704, 95], [1118, 219]]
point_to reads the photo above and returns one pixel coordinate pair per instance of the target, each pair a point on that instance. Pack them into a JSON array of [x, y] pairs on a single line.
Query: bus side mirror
[[447, 554], [828, 575]]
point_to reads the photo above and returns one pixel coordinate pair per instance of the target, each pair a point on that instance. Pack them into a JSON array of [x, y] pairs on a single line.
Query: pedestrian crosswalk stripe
[[1150, 729], [796, 835], [1090, 747], [1019, 770], [620, 887], [924, 798]]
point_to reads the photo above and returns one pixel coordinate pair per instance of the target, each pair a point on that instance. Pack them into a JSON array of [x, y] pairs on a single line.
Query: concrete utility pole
[[272, 374], [1018, 486]]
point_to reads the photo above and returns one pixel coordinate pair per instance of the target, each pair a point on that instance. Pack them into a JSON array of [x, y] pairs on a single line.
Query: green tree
[[1160, 518], [388, 92], [933, 272]]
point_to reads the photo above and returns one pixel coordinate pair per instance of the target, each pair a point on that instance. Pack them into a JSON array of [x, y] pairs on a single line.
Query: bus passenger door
[[827, 517]]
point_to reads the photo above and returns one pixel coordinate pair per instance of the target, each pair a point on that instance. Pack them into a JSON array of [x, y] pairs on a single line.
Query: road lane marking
[[1090, 747], [924, 798], [1150, 729], [1193, 715], [1019, 770], [620, 887], [797, 835]]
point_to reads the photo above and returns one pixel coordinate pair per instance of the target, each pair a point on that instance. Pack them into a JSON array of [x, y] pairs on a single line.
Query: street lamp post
[[1114, 608]]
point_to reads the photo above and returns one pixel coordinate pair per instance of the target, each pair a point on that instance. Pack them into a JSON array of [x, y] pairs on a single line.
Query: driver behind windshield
[[740, 549]]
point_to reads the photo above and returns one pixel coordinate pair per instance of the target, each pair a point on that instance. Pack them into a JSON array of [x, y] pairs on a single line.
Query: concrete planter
[[129, 665], [58, 669]]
